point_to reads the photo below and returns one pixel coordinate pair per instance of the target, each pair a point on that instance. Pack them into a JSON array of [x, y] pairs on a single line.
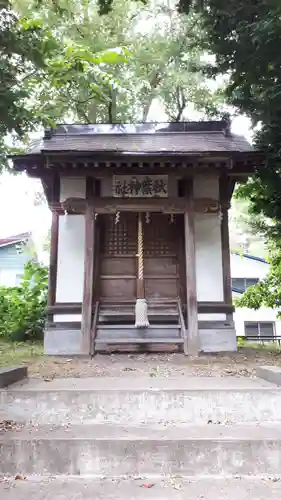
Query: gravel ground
[[174, 488], [242, 363]]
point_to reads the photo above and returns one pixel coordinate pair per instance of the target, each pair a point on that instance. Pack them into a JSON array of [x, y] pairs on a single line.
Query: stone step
[[137, 399], [115, 450], [144, 331], [161, 302], [169, 488], [130, 310], [102, 340], [128, 334]]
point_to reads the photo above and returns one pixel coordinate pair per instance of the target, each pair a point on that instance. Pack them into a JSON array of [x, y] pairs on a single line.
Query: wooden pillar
[[87, 304], [226, 269], [227, 292], [192, 345], [53, 267], [89, 259]]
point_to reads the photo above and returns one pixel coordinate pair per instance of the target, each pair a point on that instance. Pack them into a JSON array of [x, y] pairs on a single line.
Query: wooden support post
[[226, 270], [192, 344], [226, 257], [87, 304], [53, 267], [53, 259]]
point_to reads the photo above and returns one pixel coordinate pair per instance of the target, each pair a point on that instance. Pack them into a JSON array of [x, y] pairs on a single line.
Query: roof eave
[[10, 243], [140, 152], [46, 152]]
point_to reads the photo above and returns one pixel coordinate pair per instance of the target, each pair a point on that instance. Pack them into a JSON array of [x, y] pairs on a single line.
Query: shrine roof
[[145, 138]]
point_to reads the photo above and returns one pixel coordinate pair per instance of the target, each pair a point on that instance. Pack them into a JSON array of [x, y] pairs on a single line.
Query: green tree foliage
[[164, 62], [246, 230], [61, 60], [37, 63], [267, 292], [23, 48], [23, 307], [245, 38]]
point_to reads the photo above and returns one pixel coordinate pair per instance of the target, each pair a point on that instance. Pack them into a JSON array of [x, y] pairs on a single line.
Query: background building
[[246, 271], [14, 254]]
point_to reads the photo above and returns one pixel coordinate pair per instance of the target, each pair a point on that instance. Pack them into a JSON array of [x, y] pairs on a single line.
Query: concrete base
[[143, 450], [218, 340], [12, 374], [270, 373], [60, 342], [134, 489]]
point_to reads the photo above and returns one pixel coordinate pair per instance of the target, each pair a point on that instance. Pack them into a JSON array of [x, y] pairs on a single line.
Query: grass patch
[[273, 347], [19, 353]]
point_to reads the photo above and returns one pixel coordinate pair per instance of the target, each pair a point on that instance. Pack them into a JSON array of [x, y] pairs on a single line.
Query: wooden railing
[[94, 328], [183, 328]]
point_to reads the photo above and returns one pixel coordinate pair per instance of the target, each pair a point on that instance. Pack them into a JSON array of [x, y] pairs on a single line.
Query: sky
[[18, 213]]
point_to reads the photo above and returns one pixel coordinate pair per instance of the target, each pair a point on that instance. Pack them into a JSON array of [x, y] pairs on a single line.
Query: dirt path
[[241, 364]]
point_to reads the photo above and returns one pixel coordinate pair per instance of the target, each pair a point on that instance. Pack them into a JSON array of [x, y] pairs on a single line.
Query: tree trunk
[[112, 107], [154, 82], [146, 109], [181, 103], [92, 113]]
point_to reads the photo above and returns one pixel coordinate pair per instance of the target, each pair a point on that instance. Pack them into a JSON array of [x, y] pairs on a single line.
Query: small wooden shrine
[[139, 247]]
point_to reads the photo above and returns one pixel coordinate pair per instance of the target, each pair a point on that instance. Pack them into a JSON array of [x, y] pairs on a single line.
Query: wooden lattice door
[[118, 256], [161, 256]]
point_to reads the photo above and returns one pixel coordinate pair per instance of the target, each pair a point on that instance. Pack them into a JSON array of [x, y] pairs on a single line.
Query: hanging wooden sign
[[140, 186]]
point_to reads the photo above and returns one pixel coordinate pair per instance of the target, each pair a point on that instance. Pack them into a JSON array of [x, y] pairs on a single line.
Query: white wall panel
[[72, 187], [208, 258], [70, 276], [206, 186], [66, 318]]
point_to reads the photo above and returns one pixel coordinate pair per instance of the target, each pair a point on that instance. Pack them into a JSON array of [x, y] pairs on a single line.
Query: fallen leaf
[[147, 485], [10, 425], [177, 486], [20, 477]]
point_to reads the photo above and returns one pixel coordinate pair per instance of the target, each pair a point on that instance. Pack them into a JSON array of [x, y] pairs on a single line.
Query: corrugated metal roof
[[186, 138], [189, 142]]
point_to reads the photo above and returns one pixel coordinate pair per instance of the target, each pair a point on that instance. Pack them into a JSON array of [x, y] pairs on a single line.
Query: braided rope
[[140, 248], [141, 312]]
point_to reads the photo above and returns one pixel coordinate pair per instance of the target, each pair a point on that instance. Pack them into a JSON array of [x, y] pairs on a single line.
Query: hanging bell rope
[[141, 312]]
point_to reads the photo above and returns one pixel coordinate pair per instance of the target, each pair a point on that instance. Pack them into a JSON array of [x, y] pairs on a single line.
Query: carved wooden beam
[[75, 205], [113, 205]]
